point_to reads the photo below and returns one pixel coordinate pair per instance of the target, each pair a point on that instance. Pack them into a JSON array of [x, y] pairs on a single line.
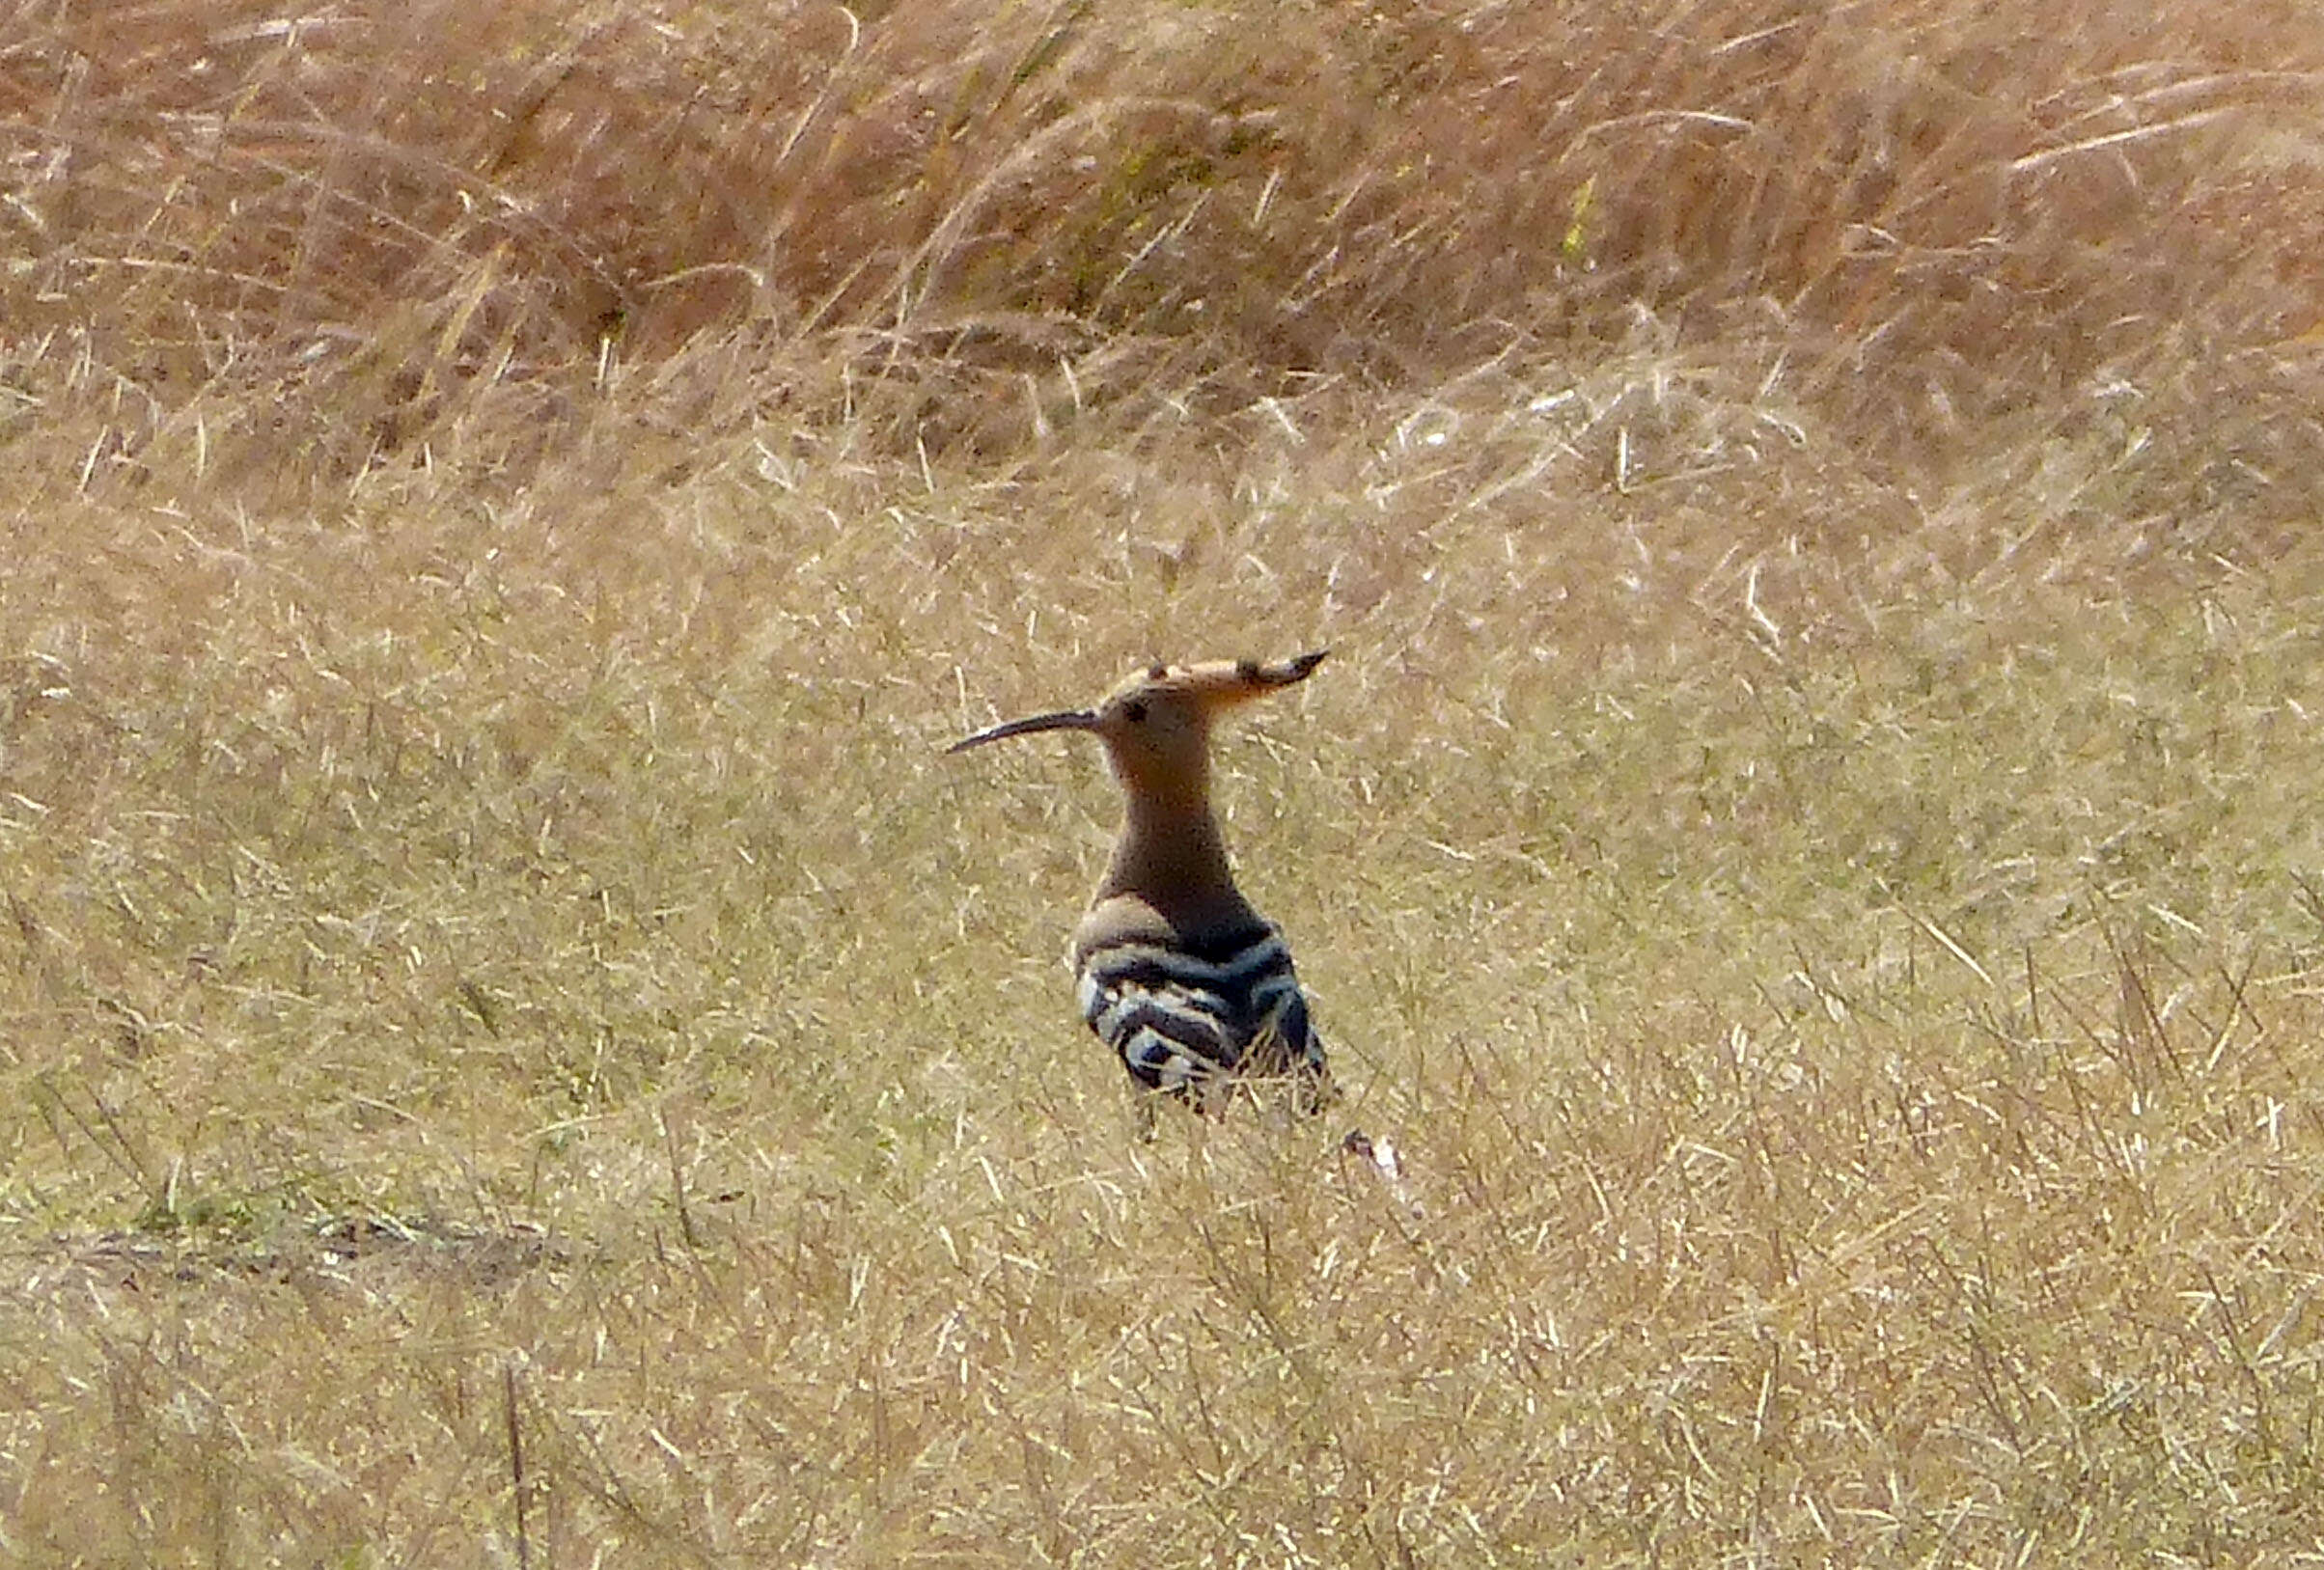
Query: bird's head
[[1156, 724]]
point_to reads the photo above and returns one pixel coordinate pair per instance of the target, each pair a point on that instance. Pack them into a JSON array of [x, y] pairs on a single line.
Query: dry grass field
[[517, 1049]]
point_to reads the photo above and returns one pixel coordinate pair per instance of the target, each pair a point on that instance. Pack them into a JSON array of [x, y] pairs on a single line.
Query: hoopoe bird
[[1189, 985]]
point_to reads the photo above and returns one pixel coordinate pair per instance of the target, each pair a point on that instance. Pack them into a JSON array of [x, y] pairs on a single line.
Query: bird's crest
[[1189, 694]]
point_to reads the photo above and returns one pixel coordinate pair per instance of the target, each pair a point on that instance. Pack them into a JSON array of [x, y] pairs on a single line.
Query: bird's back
[[1190, 1001]]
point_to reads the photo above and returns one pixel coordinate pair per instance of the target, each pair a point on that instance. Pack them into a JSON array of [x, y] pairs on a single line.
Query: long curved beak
[[1071, 719]]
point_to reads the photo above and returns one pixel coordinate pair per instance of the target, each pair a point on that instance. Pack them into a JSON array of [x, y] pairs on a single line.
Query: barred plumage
[[1175, 971], [1186, 1020]]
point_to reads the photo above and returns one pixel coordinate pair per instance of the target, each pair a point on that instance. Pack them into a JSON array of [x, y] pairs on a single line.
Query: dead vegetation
[[518, 1049]]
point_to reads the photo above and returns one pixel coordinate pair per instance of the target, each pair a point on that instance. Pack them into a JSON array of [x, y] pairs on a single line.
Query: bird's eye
[[1134, 711]]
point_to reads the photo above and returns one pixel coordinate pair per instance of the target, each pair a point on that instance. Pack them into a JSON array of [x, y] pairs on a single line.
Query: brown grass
[[517, 1049]]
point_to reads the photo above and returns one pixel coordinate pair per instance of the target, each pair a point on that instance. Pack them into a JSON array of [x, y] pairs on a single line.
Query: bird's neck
[[1171, 856]]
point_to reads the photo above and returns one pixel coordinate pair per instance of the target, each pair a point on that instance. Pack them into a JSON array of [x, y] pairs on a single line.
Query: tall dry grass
[[517, 1049], [384, 226]]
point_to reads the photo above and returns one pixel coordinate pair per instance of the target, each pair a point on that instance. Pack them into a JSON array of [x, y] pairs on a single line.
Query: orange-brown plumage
[[1177, 973]]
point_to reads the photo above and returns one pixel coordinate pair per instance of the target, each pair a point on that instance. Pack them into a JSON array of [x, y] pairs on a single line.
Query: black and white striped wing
[[1182, 1019]]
